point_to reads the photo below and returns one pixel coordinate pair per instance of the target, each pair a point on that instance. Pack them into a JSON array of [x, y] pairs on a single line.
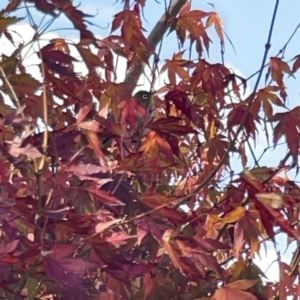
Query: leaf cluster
[[93, 182]]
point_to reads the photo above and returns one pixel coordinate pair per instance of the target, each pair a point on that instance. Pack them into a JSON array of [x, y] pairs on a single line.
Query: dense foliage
[[105, 197]]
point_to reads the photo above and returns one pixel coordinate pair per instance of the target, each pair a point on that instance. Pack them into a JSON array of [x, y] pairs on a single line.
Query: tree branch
[[155, 36]]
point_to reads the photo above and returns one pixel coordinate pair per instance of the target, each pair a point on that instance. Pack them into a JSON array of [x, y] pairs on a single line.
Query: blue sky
[[245, 22]]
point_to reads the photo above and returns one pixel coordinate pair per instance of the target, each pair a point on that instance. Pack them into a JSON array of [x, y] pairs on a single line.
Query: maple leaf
[[215, 222], [149, 285], [113, 95], [83, 112], [100, 227], [171, 125], [276, 68], [126, 16], [266, 97], [181, 102], [271, 216], [45, 7], [24, 84], [232, 78], [7, 21], [154, 162], [153, 144], [215, 20], [8, 64], [288, 126], [245, 270], [213, 79], [9, 247], [61, 87], [217, 147], [80, 168], [175, 254], [106, 57], [275, 200], [176, 67], [103, 196], [242, 152], [183, 248], [156, 200], [256, 175], [296, 65], [57, 60], [190, 25], [94, 141], [30, 151], [58, 68], [131, 111], [76, 16], [61, 45], [114, 238], [65, 229], [233, 291], [247, 230], [236, 115], [63, 254], [131, 31], [58, 56], [233, 215], [91, 60], [11, 6], [287, 279], [57, 272]]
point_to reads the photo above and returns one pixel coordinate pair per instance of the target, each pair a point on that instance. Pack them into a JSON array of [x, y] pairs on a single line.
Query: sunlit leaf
[[215, 20], [8, 21], [228, 293], [288, 125], [273, 199]]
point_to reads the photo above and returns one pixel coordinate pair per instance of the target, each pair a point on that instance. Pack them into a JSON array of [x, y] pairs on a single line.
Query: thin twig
[[15, 100], [45, 115], [282, 50], [231, 100], [246, 113]]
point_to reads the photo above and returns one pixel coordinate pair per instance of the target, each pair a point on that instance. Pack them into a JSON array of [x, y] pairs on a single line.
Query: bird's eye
[[145, 96]]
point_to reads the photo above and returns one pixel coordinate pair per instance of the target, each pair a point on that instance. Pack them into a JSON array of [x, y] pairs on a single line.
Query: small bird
[[145, 98]]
